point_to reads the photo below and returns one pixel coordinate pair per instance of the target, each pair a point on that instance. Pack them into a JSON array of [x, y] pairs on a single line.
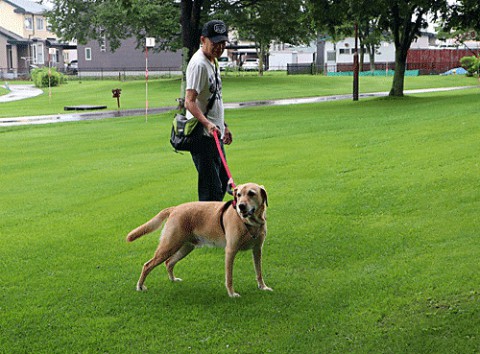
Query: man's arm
[[192, 106]]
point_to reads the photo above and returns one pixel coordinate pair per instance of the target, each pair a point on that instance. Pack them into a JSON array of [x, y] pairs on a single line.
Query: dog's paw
[[232, 295], [264, 287], [176, 279], [141, 287]]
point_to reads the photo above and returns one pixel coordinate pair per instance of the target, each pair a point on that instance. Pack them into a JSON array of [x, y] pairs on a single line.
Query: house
[[25, 40], [282, 54], [338, 56], [95, 58], [427, 54]]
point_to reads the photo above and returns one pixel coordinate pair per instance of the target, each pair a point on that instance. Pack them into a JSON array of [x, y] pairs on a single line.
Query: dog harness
[[224, 209]]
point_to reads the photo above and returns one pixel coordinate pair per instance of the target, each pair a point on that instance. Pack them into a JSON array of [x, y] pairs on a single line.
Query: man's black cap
[[216, 31]]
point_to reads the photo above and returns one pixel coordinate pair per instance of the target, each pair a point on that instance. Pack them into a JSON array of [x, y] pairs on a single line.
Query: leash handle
[[224, 161]]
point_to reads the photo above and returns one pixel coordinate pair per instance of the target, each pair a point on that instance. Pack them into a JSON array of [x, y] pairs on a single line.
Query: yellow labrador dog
[[236, 226]]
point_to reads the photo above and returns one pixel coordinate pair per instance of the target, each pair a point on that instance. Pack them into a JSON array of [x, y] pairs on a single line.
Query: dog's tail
[[150, 225]]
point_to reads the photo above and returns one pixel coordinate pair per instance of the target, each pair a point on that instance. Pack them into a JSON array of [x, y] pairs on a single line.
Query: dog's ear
[[263, 192]]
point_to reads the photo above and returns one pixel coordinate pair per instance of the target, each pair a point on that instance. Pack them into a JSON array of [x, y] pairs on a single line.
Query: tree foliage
[[463, 16], [404, 19], [269, 20], [112, 21]]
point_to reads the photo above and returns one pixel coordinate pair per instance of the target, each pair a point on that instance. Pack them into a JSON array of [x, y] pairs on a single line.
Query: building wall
[[3, 47], [10, 20], [344, 52], [126, 58], [278, 60], [35, 32]]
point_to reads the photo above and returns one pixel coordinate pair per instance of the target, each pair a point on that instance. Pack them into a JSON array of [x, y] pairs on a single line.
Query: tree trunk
[[399, 76], [190, 22], [261, 53], [362, 57], [372, 58]]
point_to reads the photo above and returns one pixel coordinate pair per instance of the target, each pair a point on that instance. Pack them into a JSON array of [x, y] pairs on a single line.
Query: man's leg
[[210, 176]]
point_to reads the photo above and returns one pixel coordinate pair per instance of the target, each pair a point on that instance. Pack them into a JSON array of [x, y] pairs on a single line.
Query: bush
[[41, 77], [471, 64]]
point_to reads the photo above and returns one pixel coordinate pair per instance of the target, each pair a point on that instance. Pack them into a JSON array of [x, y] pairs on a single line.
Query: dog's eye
[[239, 194], [251, 193]]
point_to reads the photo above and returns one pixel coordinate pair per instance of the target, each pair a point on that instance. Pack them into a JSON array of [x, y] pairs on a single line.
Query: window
[[29, 23], [344, 51], [103, 44], [331, 56], [40, 23], [88, 53], [37, 54]]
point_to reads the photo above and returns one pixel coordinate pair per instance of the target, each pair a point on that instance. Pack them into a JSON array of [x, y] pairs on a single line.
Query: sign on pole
[[149, 43], [51, 51]]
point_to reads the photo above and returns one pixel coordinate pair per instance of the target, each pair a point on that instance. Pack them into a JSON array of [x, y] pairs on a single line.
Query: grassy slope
[[372, 241]]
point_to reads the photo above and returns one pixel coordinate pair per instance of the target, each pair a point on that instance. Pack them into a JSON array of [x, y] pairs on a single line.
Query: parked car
[[225, 63], [72, 68], [250, 64]]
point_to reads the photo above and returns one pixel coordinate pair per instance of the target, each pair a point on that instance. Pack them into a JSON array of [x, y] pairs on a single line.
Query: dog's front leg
[[230, 253], [257, 261]]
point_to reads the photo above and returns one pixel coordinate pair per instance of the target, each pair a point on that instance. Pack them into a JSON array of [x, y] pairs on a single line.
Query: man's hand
[[227, 139], [212, 128]]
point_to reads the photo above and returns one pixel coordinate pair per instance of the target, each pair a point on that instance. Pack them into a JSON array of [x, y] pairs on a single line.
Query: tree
[[403, 19], [370, 37], [112, 21], [268, 20]]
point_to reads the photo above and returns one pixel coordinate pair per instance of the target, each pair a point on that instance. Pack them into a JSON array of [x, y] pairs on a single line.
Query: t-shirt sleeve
[[196, 76]]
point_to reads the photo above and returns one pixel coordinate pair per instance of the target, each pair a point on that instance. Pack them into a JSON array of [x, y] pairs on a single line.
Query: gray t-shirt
[[201, 78]]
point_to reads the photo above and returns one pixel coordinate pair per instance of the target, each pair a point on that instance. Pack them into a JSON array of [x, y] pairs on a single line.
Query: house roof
[[27, 6], [11, 37]]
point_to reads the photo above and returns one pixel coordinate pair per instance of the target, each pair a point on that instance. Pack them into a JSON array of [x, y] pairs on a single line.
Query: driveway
[[20, 92]]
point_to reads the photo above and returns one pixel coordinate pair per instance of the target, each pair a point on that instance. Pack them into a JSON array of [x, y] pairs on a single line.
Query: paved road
[[26, 91]]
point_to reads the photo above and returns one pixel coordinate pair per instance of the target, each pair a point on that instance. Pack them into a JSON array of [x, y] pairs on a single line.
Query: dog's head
[[251, 202]]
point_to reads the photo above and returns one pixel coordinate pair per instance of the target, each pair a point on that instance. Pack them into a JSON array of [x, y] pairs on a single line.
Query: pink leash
[[220, 152]]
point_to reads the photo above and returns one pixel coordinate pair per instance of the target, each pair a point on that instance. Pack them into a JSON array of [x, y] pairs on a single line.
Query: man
[[203, 81]]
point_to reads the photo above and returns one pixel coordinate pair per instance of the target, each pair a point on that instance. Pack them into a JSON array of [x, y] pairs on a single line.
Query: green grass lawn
[[372, 243], [164, 92]]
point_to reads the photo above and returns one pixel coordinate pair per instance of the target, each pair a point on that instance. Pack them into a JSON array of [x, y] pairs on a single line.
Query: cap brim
[[220, 38]]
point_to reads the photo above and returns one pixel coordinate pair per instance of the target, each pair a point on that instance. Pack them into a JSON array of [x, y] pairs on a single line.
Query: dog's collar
[[224, 209]]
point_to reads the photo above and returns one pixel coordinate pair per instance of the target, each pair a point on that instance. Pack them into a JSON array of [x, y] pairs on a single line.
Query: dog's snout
[[242, 207]]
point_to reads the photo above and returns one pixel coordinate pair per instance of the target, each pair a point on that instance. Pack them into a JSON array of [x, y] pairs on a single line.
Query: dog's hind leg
[[161, 255], [178, 256], [159, 258]]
